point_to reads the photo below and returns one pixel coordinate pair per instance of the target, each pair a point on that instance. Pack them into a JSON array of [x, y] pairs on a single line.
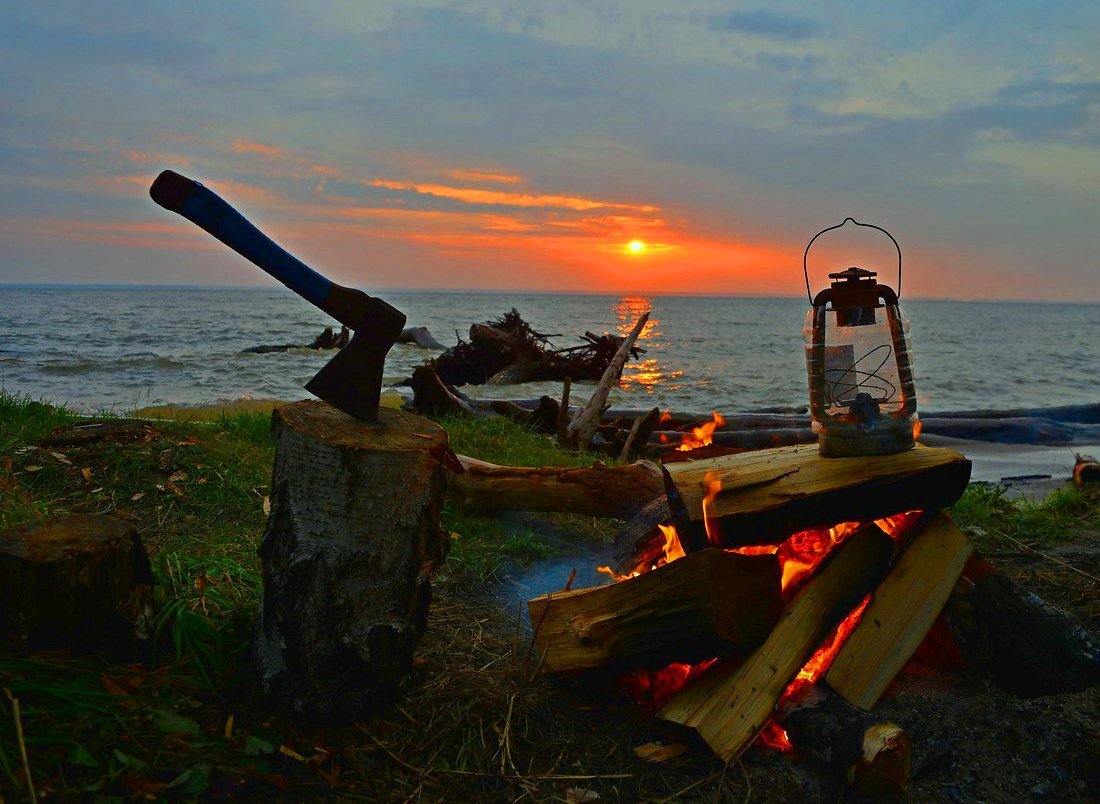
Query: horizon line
[[504, 291]]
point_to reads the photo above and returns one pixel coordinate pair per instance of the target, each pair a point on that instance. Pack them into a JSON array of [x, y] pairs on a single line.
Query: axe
[[352, 380]]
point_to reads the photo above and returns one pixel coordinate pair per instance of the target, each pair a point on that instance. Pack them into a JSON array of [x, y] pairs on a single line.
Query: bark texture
[[349, 547], [76, 582]]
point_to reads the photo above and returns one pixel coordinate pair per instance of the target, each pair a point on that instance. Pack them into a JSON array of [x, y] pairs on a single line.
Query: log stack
[[797, 652]]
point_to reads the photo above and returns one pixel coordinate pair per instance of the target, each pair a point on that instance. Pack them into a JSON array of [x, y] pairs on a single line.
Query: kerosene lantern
[[862, 400]]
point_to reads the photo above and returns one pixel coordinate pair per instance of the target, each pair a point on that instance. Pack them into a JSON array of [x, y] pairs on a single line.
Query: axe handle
[[204, 208]]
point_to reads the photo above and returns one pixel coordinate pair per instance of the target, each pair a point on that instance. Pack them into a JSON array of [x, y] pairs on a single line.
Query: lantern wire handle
[[806, 254]]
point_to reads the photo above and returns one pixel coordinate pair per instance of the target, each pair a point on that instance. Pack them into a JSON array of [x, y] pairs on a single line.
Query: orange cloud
[[126, 234], [269, 151], [483, 175], [470, 195]]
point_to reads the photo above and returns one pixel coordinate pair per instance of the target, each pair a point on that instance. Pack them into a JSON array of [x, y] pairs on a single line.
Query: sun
[[636, 246]]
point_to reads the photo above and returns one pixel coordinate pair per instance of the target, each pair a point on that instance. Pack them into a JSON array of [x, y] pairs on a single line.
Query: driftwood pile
[[508, 350], [782, 592]]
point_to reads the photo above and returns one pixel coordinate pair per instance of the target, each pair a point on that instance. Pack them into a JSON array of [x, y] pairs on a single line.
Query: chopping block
[[347, 553]]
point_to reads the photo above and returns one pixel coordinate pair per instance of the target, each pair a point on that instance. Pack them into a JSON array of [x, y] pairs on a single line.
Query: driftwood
[[769, 494], [508, 350], [349, 546], [579, 432], [733, 701], [688, 610], [1019, 641], [119, 431], [76, 582], [903, 609], [419, 336], [874, 755], [598, 490]]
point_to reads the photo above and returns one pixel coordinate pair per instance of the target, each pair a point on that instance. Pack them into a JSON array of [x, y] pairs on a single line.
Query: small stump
[[76, 582], [350, 544]]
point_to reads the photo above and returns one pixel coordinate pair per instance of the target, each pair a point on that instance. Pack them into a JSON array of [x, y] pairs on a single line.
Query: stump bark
[[76, 582], [347, 554]]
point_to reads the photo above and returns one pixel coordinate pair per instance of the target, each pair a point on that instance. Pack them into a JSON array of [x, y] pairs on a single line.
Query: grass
[[475, 721], [993, 517], [195, 491]]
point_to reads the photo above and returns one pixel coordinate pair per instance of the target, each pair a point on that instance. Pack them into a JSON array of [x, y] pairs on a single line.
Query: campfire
[[778, 603]]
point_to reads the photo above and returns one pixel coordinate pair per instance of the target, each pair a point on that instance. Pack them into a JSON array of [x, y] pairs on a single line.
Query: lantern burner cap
[[853, 274]]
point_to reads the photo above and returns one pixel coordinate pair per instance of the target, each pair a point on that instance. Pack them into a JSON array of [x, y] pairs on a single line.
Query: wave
[[126, 362]]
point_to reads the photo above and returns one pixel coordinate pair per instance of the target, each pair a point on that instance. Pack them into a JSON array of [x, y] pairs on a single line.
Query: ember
[[818, 665]]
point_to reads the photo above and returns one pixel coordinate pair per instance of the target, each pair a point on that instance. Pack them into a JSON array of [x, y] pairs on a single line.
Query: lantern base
[[842, 439]]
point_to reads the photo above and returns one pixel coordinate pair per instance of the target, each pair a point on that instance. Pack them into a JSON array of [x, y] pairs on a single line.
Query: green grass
[[989, 513], [195, 492]]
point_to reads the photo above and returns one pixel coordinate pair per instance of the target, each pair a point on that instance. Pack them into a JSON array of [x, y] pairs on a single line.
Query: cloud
[[765, 23], [472, 195], [269, 151]]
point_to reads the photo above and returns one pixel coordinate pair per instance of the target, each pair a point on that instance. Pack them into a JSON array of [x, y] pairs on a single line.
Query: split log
[[1016, 639], [874, 755], [638, 544], [76, 582], [349, 546], [769, 494], [732, 702], [689, 610], [598, 490], [580, 430], [903, 609]]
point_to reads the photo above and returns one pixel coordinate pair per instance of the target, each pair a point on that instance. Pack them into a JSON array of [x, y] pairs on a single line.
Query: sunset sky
[[512, 145]]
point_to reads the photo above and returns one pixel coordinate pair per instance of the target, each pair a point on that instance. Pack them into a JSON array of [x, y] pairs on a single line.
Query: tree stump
[[349, 546], [76, 582]]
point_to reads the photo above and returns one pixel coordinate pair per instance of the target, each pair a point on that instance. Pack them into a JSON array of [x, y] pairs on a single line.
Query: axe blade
[[352, 380]]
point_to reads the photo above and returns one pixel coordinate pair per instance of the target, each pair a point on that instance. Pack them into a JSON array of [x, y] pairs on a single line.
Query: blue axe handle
[[207, 210]]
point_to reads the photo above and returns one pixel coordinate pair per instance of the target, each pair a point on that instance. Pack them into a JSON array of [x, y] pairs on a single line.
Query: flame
[[616, 577], [817, 666], [702, 435], [710, 521], [673, 548], [917, 427], [672, 551]]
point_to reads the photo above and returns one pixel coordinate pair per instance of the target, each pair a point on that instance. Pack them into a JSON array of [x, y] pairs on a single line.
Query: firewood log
[[580, 430], [688, 610], [347, 553], [902, 610], [874, 755], [639, 542], [769, 494], [609, 491], [732, 702], [1016, 639]]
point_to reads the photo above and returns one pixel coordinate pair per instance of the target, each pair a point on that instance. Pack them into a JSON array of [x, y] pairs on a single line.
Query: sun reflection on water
[[648, 373]]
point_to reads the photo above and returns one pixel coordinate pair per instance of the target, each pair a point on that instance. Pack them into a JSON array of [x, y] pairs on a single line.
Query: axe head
[[352, 380]]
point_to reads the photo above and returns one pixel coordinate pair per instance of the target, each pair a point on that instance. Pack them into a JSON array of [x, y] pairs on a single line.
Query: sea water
[[123, 348]]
